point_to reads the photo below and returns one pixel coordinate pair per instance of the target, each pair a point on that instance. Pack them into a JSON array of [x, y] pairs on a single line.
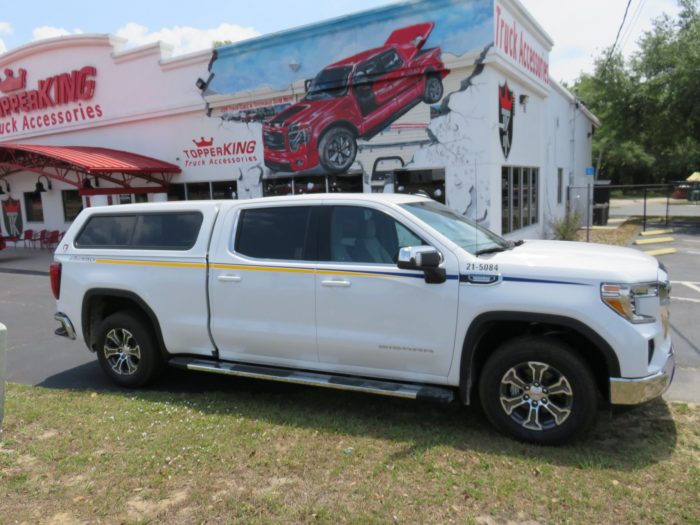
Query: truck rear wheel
[[127, 350], [432, 93], [538, 390]]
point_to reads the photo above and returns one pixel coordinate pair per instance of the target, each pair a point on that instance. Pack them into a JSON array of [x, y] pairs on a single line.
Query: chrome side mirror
[[424, 258]]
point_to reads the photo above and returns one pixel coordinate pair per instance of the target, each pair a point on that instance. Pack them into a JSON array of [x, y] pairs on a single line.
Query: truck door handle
[[336, 283], [229, 278]]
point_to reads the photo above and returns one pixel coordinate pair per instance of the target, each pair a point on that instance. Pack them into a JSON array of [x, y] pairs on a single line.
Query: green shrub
[[565, 229]]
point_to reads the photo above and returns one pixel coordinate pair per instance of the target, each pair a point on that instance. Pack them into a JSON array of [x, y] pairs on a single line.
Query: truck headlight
[[297, 137], [623, 299]]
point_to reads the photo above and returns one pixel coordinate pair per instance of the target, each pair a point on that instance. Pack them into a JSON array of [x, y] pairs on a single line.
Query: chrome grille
[[273, 139]]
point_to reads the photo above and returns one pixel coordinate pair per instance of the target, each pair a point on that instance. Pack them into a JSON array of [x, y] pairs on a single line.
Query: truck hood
[[575, 260], [305, 112]]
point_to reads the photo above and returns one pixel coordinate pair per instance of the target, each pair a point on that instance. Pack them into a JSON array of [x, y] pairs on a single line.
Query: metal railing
[[592, 202]]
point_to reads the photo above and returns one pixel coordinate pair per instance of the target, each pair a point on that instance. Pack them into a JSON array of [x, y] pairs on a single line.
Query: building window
[[278, 186], [520, 198], [198, 191], [72, 204], [340, 183], [176, 192], [345, 183], [430, 183], [224, 190], [33, 207], [560, 185]]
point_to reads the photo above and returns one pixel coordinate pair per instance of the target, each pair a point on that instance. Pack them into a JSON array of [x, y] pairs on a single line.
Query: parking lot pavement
[[684, 269]]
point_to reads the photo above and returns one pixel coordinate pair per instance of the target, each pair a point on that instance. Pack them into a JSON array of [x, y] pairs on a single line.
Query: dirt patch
[[141, 509], [64, 518]]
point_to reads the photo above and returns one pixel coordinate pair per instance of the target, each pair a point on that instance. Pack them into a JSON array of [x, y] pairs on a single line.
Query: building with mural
[[450, 98]]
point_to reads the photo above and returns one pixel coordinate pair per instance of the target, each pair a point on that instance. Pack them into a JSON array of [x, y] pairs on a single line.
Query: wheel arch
[[489, 330], [342, 123], [99, 303]]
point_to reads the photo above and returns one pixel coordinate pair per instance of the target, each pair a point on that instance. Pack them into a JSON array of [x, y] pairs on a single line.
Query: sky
[[581, 29]]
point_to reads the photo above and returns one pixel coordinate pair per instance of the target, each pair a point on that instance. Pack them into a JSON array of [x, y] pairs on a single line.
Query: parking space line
[[654, 240], [691, 286], [686, 299]]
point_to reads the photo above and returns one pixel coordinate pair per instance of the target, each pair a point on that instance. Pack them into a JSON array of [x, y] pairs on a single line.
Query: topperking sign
[[55, 101]]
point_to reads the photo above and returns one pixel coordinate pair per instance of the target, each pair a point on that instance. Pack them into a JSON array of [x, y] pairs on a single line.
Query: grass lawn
[[258, 452]]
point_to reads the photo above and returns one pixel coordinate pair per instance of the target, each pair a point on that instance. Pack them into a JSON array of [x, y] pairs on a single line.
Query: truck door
[[373, 318], [261, 285]]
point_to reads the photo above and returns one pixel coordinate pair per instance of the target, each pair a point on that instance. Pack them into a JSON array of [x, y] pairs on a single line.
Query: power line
[[630, 27], [612, 49], [624, 17]]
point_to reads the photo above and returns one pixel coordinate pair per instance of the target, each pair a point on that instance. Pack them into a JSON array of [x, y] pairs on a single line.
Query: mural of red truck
[[355, 98]]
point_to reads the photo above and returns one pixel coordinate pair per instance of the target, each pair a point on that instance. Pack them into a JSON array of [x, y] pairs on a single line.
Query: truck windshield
[[462, 231], [329, 83]]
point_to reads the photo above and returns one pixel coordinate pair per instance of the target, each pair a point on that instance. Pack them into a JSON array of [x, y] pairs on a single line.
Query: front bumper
[[624, 391]]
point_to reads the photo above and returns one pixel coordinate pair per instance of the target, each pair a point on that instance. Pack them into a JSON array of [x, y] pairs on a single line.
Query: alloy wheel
[[536, 395], [122, 351]]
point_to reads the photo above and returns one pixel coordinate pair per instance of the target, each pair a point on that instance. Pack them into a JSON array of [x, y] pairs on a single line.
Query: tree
[[649, 105]]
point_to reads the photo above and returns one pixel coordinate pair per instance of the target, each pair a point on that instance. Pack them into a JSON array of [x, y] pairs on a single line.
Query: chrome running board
[[285, 375]]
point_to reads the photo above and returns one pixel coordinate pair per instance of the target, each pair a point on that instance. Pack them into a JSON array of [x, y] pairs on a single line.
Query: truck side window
[[141, 231], [274, 233], [364, 235], [166, 231], [107, 231]]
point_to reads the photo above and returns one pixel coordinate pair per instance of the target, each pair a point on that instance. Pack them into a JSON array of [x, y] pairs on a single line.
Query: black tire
[[337, 149], [521, 376], [127, 350], [433, 90]]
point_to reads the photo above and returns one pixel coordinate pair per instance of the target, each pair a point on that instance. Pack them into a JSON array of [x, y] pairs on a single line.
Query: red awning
[[73, 164]]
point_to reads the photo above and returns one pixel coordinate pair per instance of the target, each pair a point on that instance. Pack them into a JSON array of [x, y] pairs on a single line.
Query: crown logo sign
[[12, 83], [505, 97], [10, 206], [203, 143]]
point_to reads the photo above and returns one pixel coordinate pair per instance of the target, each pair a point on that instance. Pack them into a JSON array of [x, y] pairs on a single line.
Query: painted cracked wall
[[294, 93]]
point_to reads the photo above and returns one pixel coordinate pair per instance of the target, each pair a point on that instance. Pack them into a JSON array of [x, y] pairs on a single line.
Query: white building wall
[[152, 106], [570, 131]]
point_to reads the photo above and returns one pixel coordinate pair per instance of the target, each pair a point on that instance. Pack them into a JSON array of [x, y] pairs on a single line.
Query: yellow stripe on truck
[[171, 264]]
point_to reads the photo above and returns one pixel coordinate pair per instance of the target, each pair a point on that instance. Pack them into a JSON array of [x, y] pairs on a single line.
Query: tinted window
[[156, 231], [274, 233], [364, 235], [166, 231], [329, 83]]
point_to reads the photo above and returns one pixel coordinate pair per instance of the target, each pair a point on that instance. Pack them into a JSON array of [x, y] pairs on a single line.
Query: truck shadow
[[628, 441]]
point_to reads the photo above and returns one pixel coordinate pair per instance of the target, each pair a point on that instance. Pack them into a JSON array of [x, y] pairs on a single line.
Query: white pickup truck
[[388, 294]]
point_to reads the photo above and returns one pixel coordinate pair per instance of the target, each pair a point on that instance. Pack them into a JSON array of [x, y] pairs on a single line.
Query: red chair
[[27, 237], [40, 237], [51, 240]]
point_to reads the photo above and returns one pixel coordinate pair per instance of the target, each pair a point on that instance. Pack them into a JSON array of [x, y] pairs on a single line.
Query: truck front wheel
[[538, 390], [337, 149], [127, 350]]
